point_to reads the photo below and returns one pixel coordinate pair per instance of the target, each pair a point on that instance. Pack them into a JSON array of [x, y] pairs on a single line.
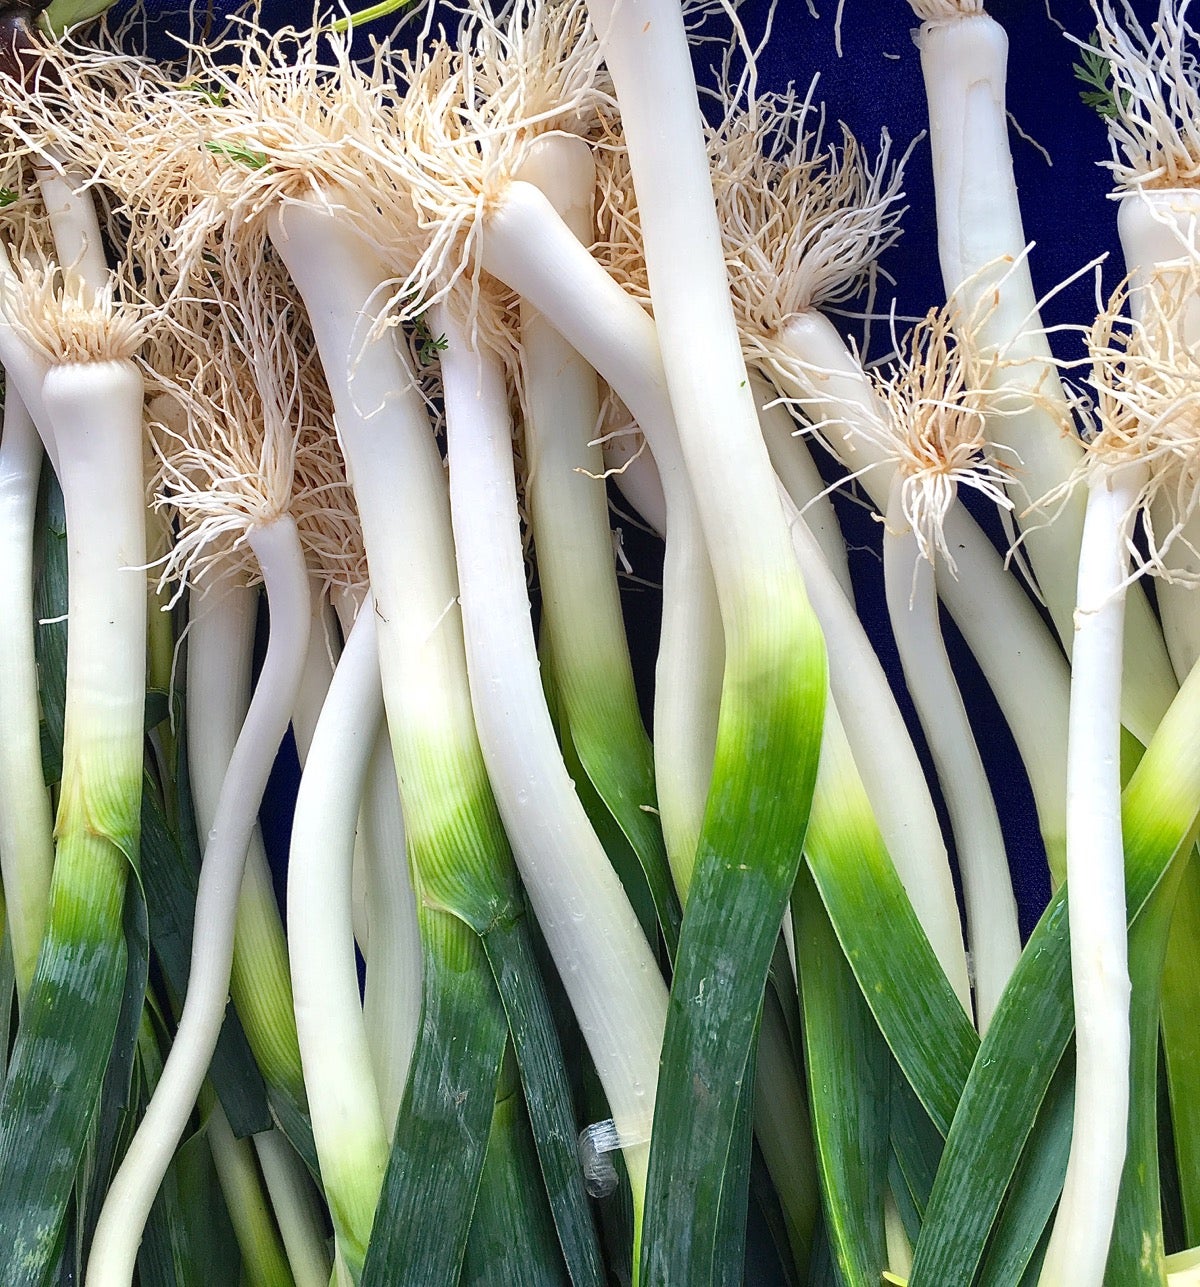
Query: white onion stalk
[[293, 1203], [607, 967], [1160, 231], [1078, 1247], [123, 1216], [803, 223], [982, 245], [630, 463], [348, 1125], [26, 827], [92, 399], [937, 435], [797, 471], [220, 650], [582, 624], [1147, 393], [241, 1187]]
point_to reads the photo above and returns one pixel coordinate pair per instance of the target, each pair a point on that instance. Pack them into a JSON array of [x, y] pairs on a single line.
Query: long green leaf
[[1136, 1254], [512, 1237], [424, 1214], [1037, 1182], [117, 1115], [616, 844], [1181, 1043], [54, 1080], [916, 1143], [849, 1077], [547, 1094], [923, 1021], [50, 608], [746, 865]]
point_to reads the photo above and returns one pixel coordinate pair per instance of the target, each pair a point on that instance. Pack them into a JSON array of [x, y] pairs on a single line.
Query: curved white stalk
[[1079, 1242], [1020, 658], [293, 1203], [385, 912], [220, 654], [886, 761], [402, 502], [647, 52], [242, 1189], [123, 1215], [607, 967], [985, 270], [797, 471], [319, 666], [691, 647], [343, 1100], [992, 930], [26, 826]]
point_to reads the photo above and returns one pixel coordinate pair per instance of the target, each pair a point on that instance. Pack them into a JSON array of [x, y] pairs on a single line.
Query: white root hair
[[1155, 122]]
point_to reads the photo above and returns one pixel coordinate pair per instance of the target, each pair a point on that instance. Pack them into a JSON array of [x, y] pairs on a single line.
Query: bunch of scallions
[[743, 683]]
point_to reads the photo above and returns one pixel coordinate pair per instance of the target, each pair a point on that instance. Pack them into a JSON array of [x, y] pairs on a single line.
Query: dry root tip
[[938, 404], [1146, 378], [1154, 124], [946, 10], [70, 322]]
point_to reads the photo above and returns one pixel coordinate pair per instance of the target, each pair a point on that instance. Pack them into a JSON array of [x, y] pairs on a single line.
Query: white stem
[[987, 886], [241, 1187], [392, 995], [296, 1212], [123, 1215], [220, 657], [982, 244], [636, 476], [318, 670], [797, 471], [24, 367], [886, 761], [1096, 909], [343, 1101], [607, 967], [528, 247], [78, 245], [648, 55], [26, 825], [95, 411]]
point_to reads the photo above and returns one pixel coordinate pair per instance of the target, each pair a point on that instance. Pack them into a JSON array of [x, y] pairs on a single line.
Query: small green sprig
[[215, 96], [7, 197], [1095, 71], [428, 344], [242, 155]]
